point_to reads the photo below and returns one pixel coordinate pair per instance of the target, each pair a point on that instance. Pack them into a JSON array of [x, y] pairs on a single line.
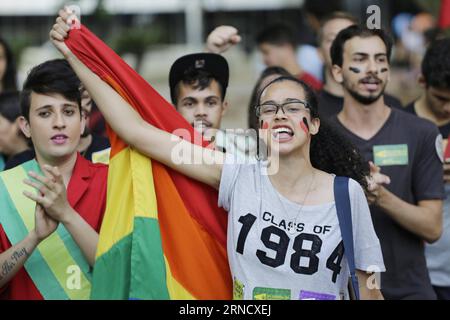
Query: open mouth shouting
[[282, 133]]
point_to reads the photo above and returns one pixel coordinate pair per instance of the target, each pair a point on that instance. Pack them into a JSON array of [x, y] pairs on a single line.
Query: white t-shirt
[[278, 249], [237, 143]]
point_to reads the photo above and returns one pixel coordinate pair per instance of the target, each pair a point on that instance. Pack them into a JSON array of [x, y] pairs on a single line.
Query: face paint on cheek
[[264, 125], [304, 125], [355, 70]]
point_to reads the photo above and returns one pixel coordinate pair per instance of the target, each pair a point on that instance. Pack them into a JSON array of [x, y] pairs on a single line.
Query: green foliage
[[18, 45], [136, 39]]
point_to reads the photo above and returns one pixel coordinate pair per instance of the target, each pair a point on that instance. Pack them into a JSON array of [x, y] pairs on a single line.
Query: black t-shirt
[[445, 129], [98, 143], [20, 158], [330, 105], [405, 149]]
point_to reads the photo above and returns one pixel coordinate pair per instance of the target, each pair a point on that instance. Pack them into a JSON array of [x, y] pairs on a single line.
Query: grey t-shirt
[[278, 249]]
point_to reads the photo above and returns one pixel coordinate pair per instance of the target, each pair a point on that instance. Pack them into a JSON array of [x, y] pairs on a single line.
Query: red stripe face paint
[[304, 125], [264, 125]]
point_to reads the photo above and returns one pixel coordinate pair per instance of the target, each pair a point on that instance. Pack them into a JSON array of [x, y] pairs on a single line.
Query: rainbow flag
[[163, 235]]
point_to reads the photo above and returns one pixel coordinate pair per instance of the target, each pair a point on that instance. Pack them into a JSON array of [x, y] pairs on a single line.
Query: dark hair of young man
[[337, 48], [436, 64], [50, 77], [321, 8], [277, 34], [334, 16], [197, 79]]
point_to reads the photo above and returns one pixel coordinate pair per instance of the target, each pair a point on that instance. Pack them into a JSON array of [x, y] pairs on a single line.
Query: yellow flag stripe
[[144, 188], [176, 290], [133, 197]]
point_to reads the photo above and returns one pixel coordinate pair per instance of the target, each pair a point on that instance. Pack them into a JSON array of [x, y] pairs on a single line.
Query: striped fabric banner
[[57, 257], [163, 235]]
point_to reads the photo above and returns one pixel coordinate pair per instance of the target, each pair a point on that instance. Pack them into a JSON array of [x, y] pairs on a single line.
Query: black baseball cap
[[212, 63]]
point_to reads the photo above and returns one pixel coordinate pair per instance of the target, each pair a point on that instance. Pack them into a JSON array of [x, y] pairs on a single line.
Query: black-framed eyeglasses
[[293, 107]]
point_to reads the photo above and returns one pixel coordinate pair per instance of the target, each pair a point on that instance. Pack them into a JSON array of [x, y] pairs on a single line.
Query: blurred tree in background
[[136, 40]]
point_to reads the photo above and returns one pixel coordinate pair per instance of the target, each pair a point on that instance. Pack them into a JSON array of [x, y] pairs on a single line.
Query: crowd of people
[[337, 191]]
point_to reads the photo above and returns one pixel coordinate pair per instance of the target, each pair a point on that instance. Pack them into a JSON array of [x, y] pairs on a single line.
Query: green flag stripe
[[148, 270], [112, 272]]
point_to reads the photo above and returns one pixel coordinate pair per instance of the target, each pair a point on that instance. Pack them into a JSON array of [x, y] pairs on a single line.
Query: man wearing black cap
[[198, 84]]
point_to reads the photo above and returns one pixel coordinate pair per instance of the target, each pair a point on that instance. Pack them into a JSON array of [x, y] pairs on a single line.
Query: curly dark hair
[[436, 64], [330, 150]]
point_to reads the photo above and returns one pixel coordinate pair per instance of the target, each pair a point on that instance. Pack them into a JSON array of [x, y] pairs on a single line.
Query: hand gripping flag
[[163, 235]]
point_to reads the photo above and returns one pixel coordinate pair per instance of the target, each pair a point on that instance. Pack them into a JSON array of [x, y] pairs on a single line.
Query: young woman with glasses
[[284, 239]]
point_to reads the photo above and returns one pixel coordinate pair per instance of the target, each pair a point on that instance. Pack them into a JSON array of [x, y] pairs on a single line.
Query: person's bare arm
[[129, 125], [368, 286], [424, 219], [15, 257], [222, 38]]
